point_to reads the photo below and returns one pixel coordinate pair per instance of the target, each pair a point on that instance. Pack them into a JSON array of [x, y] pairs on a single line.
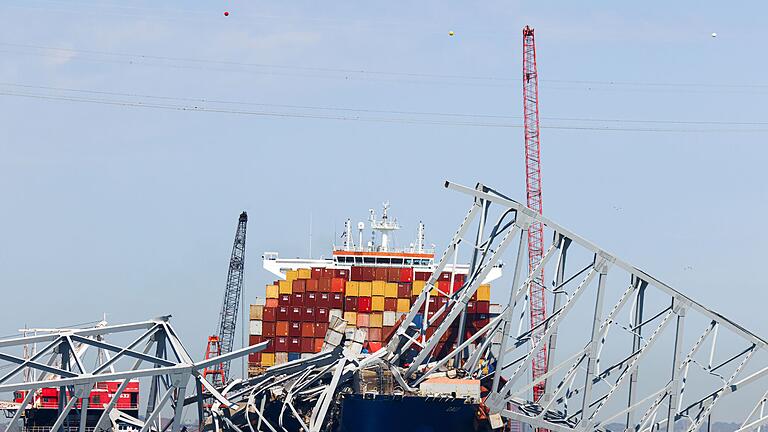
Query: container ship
[[371, 287]]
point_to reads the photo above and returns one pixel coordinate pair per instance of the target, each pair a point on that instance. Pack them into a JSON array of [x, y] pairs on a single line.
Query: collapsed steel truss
[[156, 353], [596, 357]]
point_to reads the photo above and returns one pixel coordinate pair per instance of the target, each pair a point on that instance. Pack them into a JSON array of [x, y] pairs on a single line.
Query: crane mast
[[223, 341], [537, 299]]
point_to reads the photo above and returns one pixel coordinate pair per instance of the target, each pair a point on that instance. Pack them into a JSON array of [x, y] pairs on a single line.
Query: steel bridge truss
[[154, 352], [602, 333]]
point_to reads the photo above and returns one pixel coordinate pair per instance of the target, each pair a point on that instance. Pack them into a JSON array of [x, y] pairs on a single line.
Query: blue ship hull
[[406, 414]]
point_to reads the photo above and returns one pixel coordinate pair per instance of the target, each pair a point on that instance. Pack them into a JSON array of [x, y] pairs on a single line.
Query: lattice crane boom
[[537, 298], [223, 341]]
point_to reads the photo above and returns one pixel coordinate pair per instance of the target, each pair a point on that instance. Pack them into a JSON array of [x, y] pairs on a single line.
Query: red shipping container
[[281, 328], [298, 285], [380, 273], [406, 274], [441, 301], [284, 299], [318, 344], [307, 329], [341, 273], [294, 313], [393, 274], [268, 329], [269, 315], [373, 346], [404, 290], [308, 314], [254, 357], [310, 298], [445, 276], [363, 304], [390, 304], [430, 332], [307, 345], [297, 299], [366, 274], [350, 304], [324, 300], [281, 344], [321, 329], [444, 287], [271, 302], [483, 307], [374, 334], [338, 284], [357, 273], [327, 273], [321, 315], [311, 285], [294, 328], [422, 276], [324, 285], [271, 347], [282, 313], [294, 344], [460, 278], [457, 284], [471, 306], [337, 301], [255, 340], [317, 272]]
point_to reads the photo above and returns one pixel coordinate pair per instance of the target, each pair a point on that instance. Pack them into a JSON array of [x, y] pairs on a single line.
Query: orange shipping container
[[281, 328], [285, 287], [353, 288], [305, 273], [272, 291], [390, 290], [377, 303], [378, 287], [418, 287], [363, 319], [337, 285], [484, 292], [365, 289], [307, 329], [403, 305], [271, 303], [267, 359]]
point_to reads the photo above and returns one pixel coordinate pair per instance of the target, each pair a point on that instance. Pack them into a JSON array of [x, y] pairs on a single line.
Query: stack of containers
[[295, 314]]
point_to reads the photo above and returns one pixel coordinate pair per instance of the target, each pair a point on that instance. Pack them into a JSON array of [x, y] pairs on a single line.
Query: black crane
[[223, 341]]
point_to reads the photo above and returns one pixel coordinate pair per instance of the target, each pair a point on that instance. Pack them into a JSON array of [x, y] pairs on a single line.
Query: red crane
[[537, 302]]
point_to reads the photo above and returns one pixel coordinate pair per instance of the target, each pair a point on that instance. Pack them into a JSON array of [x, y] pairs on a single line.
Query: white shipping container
[[260, 301], [495, 309], [333, 338], [390, 318], [281, 357], [336, 313], [450, 387], [255, 328]]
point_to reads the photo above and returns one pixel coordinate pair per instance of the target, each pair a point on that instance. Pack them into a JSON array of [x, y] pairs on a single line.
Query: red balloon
[[226, 13]]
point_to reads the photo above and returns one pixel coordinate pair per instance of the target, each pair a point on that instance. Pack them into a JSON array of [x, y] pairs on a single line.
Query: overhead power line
[[383, 116]]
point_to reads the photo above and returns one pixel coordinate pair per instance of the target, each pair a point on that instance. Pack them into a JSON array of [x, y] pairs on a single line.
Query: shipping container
[[390, 304], [308, 314], [272, 291], [305, 273], [363, 319], [268, 329], [390, 290], [377, 303], [389, 318], [268, 359], [307, 345], [297, 299], [335, 313], [403, 305], [357, 273], [421, 276], [281, 343], [294, 329], [378, 287], [285, 287], [255, 328], [484, 293], [366, 274], [338, 284], [321, 315], [254, 357], [291, 275], [283, 314], [317, 272], [324, 300], [318, 344], [406, 274], [270, 303], [341, 273], [418, 287], [310, 298], [374, 335], [255, 340], [320, 329], [294, 344], [324, 284], [365, 289], [294, 313], [337, 300], [307, 329], [352, 289], [380, 273], [284, 299], [483, 307], [393, 274], [363, 304], [281, 358], [376, 319], [350, 318], [311, 285], [270, 314], [298, 285], [350, 304]]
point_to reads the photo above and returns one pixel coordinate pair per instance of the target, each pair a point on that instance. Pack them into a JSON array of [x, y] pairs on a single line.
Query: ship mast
[[384, 226]]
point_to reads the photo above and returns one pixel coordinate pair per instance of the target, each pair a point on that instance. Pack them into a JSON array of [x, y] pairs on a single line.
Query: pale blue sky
[[131, 210]]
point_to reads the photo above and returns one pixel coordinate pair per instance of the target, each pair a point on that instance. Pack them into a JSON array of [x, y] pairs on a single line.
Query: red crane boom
[[538, 306]]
